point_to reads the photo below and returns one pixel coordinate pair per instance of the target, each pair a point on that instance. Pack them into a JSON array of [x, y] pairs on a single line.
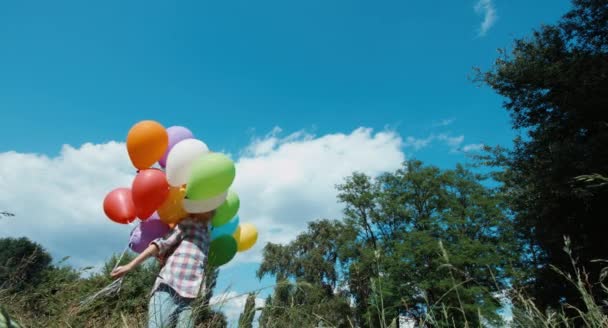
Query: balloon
[[210, 175], [150, 190], [172, 225], [237, 234], [227, 210], [176, 134], [172, 211], [146, 232], [246, 236], [227, 229], [146, 143], [180, 160], [118, 205], [221, 250], [204, 205]]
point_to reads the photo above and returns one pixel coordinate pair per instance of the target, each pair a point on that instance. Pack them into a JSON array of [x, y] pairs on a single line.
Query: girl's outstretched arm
[[120, 271]]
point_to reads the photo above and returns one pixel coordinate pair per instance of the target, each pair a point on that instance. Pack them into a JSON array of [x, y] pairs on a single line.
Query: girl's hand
[[120, 271]]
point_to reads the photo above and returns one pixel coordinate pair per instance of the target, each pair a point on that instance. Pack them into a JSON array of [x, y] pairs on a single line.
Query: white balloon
[[204, 205], [180, 159]]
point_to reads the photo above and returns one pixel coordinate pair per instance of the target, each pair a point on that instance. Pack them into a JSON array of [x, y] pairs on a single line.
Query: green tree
[[555, 84], [265, 315], [400, 220], [246, 318], [23, 263], [411, 242], [307, 278]]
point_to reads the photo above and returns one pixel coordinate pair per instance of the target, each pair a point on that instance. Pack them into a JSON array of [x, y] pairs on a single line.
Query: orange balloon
[[147, 142], [172, 225], [172, 211]]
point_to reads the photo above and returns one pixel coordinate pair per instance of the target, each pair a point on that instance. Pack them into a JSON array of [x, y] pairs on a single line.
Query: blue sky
[[73, 72], [76, 71]]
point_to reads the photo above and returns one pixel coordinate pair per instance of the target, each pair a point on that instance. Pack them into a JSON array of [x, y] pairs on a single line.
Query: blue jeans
[[168, 309]]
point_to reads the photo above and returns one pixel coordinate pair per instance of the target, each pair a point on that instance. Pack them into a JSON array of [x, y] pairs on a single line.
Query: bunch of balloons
[[190, 179]]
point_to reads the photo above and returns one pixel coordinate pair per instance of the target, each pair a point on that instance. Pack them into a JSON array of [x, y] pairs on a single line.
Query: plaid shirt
[[184, 251]]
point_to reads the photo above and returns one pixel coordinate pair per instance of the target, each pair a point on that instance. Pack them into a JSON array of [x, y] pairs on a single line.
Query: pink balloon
[[146, 232], [176, 134]]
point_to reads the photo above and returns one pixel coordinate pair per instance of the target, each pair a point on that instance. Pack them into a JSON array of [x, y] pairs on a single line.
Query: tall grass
[[35, 308]]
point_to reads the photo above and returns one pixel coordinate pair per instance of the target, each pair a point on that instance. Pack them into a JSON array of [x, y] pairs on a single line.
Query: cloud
[[283, 183], [286, 182], [472, 147], [418, 143], [57, 201], [486, 9], [453, 142], [444, 122], [232, 305]]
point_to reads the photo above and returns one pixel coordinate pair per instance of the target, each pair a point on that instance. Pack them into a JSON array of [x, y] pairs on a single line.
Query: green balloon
[[227, 210], [211, 175], [222, 250]]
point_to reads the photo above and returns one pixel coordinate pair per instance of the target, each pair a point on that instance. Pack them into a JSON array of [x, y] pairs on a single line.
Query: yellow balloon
[[171, 211], [237, 234], [247, 236]]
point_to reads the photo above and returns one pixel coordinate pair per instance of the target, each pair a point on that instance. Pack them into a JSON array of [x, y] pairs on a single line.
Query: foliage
[[202, 312], [385, 255], [246, 318], [23, 263], [554, 83], [53, 298]]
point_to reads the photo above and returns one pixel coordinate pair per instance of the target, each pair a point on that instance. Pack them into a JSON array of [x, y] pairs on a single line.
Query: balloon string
[[121, 256], [113, 288]]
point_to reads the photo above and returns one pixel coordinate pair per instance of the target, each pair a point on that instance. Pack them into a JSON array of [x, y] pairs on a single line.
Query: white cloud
[[58, 201], [418, 143], [452, 142], [444, 122], [486, 9], [286, 182], [232, 305], [283, 183], [472, 147]]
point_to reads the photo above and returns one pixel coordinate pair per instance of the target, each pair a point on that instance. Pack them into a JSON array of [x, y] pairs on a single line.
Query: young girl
[[183, 254]]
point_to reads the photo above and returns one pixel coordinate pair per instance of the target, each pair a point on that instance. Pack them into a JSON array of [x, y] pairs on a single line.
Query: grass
[[53, 305]]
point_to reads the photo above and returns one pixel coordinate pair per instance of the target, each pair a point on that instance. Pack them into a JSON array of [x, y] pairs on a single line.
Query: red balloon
[[118, 205], [150, 190]]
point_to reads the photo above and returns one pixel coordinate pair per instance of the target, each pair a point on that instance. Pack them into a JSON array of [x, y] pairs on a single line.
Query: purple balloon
[[176, 134], [146, 232]]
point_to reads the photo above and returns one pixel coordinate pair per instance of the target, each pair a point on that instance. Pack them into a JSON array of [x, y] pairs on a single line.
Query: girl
[[183, 254]]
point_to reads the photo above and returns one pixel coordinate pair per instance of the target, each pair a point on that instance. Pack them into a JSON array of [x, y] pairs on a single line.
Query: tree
[[396, 262], [307, 278], [555, 86], [246, 318], [411, 242], [265, 315], [22, 263]]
